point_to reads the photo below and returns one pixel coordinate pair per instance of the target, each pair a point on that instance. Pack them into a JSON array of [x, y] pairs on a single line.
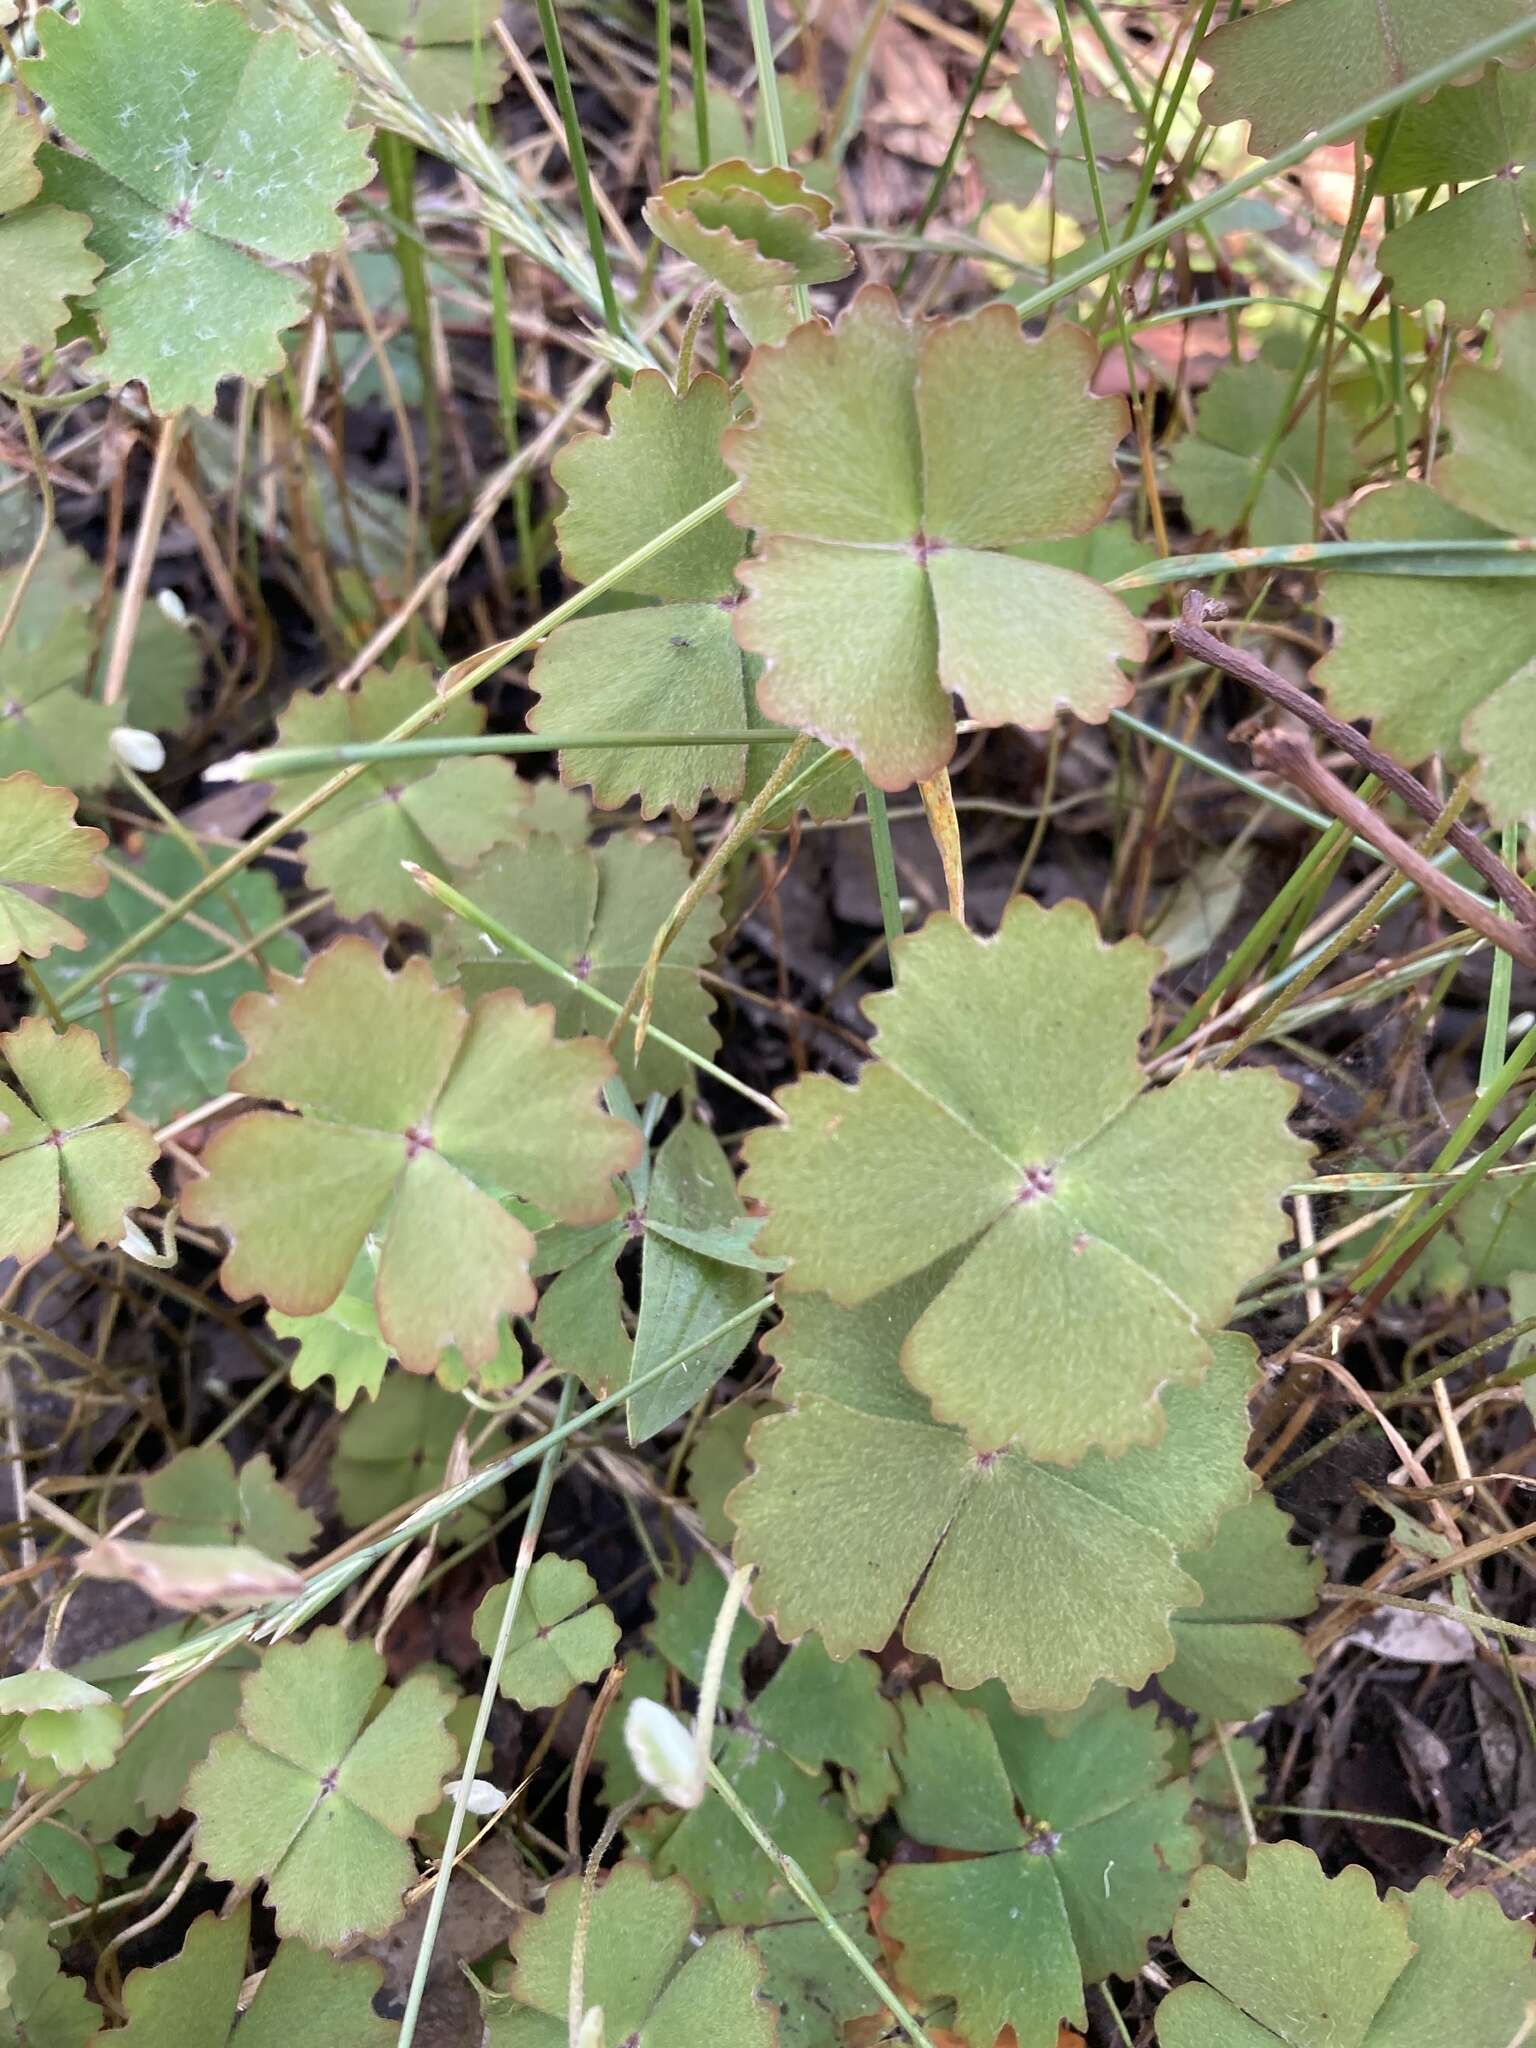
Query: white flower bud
[[137, 749], [172, 606], [591, 2035], [137, 1245], [484, 1797], [661, 1748]]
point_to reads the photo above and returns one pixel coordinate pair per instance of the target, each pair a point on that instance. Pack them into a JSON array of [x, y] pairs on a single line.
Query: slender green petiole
[[543, 1487], [817, 1906]]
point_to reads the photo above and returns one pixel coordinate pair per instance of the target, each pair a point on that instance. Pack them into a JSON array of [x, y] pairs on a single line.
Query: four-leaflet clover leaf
[[596, 911], [949, 1542], [315, 1791], [883, 581], [1300, 65], [1013, 167], [443, 815], [43, 256], [203, 148], [562, 1635], [1291, 1956], [1097, 1233], [1073, 1852], [416, 1121], [1447, 664], [63, 1142]]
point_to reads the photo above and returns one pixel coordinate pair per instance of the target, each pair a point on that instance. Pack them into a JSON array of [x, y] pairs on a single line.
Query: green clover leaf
[[658, 1982], [1214, 469], [883, 581], [1234, 1659], [596, 910], [732, 134], [1300, 66], [63, 1143], [199, 1497], [817, 1990], [315, 1791], [1075, 1852], [1446, 664], [696, 1272], [562, 1634], [1474, 251], [417, 1131], [39, 2006], [43, 253], [41, 847], [1014, 167], [397, 1446], [50, 722], [194, 2000], [203, 148], [666, 667], [1096, 1234], [443, 815], [1291, 1956], [170, 1029], [444, 50], [948, 1542]]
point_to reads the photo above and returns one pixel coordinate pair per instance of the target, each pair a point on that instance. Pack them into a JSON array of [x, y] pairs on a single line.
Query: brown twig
[[1190, 635], [1288, 754]]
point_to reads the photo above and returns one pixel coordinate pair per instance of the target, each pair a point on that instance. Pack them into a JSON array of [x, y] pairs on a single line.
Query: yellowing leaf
[[882, 584], [420, 1131], [1094, 1234]]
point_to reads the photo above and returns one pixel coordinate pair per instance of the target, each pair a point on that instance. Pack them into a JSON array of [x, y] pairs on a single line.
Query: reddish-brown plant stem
[[1190, 635], [1288, 754]]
